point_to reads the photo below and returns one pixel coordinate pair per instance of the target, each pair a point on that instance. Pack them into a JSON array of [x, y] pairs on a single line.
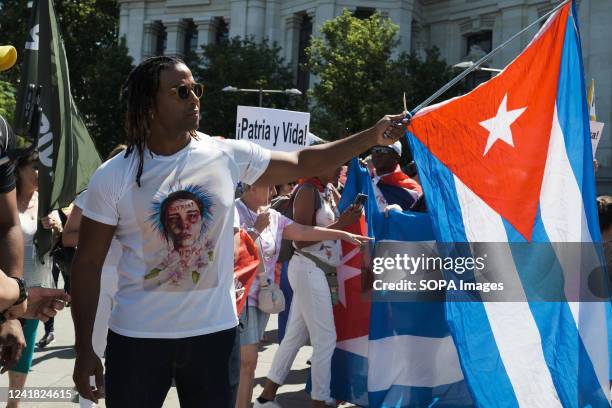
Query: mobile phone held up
[[360, 199]]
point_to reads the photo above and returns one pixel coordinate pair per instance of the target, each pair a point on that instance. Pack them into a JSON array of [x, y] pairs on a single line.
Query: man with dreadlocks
[[175, 314]]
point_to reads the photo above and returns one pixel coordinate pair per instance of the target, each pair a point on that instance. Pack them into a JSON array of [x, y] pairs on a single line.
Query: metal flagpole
[[480, 62]]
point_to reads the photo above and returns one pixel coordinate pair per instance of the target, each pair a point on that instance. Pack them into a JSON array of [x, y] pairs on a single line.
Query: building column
[[256, 16], [175, 30], [149, 35], [292, 37], [238, 15], [312, 13], [597, 56], [326, 10], [124, 15], [416, 41], [273, 31], [206, 32], [512, 21], [132, 27], [403, 18]]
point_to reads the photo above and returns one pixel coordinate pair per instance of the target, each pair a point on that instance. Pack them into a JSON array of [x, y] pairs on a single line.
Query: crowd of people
[[152, 290], [175, 297]]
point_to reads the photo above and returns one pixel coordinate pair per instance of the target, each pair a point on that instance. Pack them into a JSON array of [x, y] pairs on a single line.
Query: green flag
[[67, 154]]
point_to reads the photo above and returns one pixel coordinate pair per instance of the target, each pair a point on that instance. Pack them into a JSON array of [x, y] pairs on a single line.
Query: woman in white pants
[[108, 278], [267, 228], [311, 315]]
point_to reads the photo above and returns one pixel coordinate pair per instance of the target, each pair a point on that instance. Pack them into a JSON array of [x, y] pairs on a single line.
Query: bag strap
[[328, 270], [261, 268]]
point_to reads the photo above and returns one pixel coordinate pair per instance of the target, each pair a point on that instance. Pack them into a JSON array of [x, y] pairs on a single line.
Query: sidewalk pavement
[[52, 367]]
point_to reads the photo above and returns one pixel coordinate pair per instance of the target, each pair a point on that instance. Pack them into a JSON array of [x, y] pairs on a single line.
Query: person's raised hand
[[262, 221], [390, 129], [392, 207], [44, 303], [51, 222], [351, 215], [12, 344]]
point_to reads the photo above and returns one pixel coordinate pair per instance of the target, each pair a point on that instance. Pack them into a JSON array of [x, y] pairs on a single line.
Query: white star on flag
[[499, 126], [346, 272]]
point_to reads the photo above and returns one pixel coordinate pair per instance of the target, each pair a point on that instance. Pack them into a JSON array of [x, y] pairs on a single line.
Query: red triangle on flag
[[495, 138]]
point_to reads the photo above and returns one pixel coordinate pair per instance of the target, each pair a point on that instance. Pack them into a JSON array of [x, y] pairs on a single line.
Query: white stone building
[[461, 29]]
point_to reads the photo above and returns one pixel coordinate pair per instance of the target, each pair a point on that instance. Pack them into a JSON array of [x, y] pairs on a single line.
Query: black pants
[[139, 372]]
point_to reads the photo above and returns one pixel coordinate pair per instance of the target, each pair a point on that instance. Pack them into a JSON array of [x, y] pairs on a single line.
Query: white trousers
[[311, 315], [106, 302]]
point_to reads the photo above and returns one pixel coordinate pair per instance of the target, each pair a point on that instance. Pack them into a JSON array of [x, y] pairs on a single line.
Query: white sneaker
[[331, 403], [267, 404]]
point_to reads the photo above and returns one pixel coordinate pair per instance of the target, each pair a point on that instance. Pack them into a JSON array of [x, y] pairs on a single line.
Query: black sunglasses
[[183, 90], [382, 150]]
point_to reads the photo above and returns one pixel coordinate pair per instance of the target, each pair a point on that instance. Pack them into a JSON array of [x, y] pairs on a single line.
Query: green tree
[[7, 100], [359, 80], [419, 78], [241, 63], [101, 104], [97, 60], [14, 16]]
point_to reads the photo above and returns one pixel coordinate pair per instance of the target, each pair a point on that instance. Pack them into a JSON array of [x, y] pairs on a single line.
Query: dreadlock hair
[[139, 91]]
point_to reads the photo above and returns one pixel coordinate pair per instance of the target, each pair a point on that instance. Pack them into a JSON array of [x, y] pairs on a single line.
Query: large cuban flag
[[511, 162], [390, 354]]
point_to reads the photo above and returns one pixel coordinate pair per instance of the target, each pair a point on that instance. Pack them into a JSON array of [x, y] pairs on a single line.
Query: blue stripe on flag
[[574, 120], [468, 321], [389, 319], [440, 194], [350, 379], [562, 346], [401, 396], [411, 318]]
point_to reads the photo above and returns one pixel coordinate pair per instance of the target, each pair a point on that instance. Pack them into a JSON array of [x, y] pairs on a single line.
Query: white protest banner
[[274, 129], [596, 131]]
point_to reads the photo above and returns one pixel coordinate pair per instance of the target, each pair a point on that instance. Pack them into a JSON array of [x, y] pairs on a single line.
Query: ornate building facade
[[463, 30]]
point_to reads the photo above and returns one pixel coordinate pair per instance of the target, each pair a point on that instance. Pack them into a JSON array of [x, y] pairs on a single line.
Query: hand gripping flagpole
[[478, 63]]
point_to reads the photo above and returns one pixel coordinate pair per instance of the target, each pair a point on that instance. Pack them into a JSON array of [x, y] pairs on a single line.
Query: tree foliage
[[242, 63], [101, 105], [7, 100], [360, 80], [97, 59]]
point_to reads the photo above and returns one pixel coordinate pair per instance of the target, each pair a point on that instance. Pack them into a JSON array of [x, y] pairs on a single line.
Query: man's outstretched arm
[[316, 160]]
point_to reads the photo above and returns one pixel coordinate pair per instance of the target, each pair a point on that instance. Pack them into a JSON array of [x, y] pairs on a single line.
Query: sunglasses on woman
[[183, 90]]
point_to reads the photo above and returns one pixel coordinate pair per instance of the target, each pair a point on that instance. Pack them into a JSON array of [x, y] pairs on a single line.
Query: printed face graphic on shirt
[[180, 217], [183, 220]]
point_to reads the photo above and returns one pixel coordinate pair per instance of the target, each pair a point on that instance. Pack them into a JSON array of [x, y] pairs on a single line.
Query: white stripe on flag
[[513, 326], [413, 361], [565, 221], [357, 345]]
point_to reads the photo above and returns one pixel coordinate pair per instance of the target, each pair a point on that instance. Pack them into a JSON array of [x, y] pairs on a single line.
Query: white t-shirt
[[176, 230], [114, 252]]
